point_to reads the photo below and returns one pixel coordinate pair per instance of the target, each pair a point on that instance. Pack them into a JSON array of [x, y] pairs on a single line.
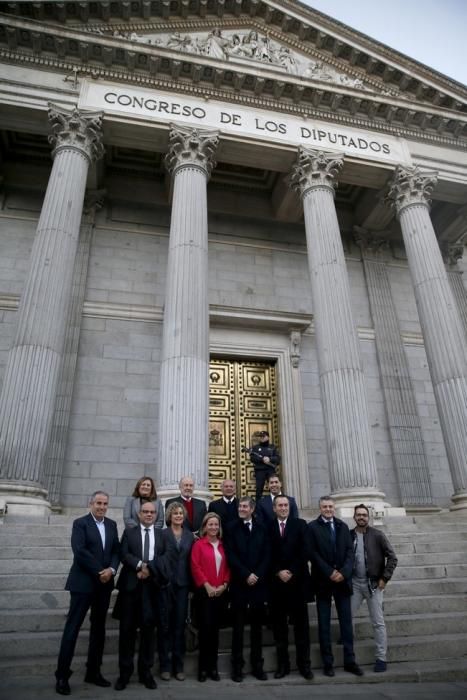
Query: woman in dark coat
[[172, 645]]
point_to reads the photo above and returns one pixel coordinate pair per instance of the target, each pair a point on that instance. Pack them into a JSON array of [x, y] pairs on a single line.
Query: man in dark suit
[[94, 541], [195, 507], [265, 459], [226, 507], [332, 557], [248, 553], [264, 508], [290, 587], [147, 568]]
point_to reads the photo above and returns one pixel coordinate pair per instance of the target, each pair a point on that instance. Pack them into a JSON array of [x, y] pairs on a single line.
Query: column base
[[459, 501], [380, 509], [22, 500]]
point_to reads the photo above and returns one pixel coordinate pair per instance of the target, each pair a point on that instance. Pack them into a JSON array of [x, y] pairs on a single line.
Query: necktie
[[248, 527], [282, 527], [333, 533], [146, 545]]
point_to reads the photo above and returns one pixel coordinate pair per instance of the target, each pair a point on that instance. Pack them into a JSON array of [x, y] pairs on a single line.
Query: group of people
[[256, 560]]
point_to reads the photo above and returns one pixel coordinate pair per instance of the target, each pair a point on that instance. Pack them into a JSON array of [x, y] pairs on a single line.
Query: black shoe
[[97, 679], [237, 676], [120, 684], [353, 668], [62, 687], [202, 676], [214, 675], [148, 682], [329, 671], [307, 673], [260, 674], [281, 672]]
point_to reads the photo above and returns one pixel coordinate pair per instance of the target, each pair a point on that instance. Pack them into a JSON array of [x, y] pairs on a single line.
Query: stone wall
[[114, 417]]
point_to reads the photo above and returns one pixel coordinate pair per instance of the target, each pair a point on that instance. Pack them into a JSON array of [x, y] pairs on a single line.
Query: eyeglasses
[[150, 512]]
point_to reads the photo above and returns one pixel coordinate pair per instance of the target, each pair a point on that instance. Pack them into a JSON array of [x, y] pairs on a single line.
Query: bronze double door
[[242, 402]]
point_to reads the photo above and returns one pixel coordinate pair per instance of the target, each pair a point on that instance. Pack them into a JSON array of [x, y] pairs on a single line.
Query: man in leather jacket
[[375, 562]]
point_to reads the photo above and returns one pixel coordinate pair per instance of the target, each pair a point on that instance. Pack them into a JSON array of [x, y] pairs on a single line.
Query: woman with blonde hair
[[144, 491], [211, 576]]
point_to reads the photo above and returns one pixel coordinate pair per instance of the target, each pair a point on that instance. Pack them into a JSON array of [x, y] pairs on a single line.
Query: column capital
[[410, 185], [452, 253], [371, 243], [315, 168], [78, 130], [193, 148]]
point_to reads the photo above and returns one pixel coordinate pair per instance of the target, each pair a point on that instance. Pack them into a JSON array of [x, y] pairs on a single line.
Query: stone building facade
[[219, 217]]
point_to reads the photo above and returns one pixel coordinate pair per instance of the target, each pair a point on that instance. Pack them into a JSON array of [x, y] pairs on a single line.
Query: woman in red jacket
[[211, 577]]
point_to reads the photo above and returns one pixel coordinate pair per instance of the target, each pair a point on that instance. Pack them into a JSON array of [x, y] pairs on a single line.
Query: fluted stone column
[[33, 365], [404, 425], [350, 447], [439, 316], [184, 393], [59, 431]]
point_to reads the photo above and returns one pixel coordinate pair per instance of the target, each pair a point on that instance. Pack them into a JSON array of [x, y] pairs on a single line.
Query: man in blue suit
[[265, 506], [94, 541]]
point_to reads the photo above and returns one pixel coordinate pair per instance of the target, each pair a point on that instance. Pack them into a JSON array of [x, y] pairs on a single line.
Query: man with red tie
[[195, 507], [290, 586]]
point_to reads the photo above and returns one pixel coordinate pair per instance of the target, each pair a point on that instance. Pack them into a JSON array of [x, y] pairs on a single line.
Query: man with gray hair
[[195, 507], [94, 541]]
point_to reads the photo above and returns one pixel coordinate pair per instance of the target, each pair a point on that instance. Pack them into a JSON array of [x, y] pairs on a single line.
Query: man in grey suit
[[94, 541]]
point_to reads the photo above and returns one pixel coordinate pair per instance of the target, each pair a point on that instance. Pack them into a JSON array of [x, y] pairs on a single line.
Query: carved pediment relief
[[247, 47]]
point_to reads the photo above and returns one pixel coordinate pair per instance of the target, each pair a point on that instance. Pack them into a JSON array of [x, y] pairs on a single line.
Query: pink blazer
[[203, 564]]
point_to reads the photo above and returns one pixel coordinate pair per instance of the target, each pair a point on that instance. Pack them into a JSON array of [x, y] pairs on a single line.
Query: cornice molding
[[395, 114], [204, 92]]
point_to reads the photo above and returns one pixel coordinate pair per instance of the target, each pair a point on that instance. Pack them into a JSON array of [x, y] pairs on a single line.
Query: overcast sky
[[433, 32]]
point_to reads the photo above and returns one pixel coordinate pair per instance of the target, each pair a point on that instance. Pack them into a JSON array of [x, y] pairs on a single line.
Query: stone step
[[410, 573], [421, 648], [429, 558], [30, 681], [428, 621]]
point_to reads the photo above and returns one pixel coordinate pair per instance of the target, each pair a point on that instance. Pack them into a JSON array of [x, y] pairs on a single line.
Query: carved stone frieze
[[243, 47], [76, 129], [191, 148], [410, 185], [315, 168]]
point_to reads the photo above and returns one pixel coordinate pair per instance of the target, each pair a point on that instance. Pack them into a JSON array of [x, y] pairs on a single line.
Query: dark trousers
[[131, 619], [209, 614], [172, 645], [256, 615], [80, 603], [285, 605], [261, 476], [344, 613]]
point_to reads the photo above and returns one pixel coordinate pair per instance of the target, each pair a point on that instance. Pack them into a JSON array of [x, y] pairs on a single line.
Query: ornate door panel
[[242, 402]]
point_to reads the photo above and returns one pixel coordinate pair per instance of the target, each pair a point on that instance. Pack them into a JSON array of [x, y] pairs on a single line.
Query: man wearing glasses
[[375, 562]]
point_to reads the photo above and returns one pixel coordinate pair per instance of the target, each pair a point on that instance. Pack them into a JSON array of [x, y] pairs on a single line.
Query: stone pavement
[[40, 688]]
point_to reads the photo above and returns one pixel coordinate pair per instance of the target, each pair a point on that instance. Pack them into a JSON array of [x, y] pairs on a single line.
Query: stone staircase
[[425, 606]]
